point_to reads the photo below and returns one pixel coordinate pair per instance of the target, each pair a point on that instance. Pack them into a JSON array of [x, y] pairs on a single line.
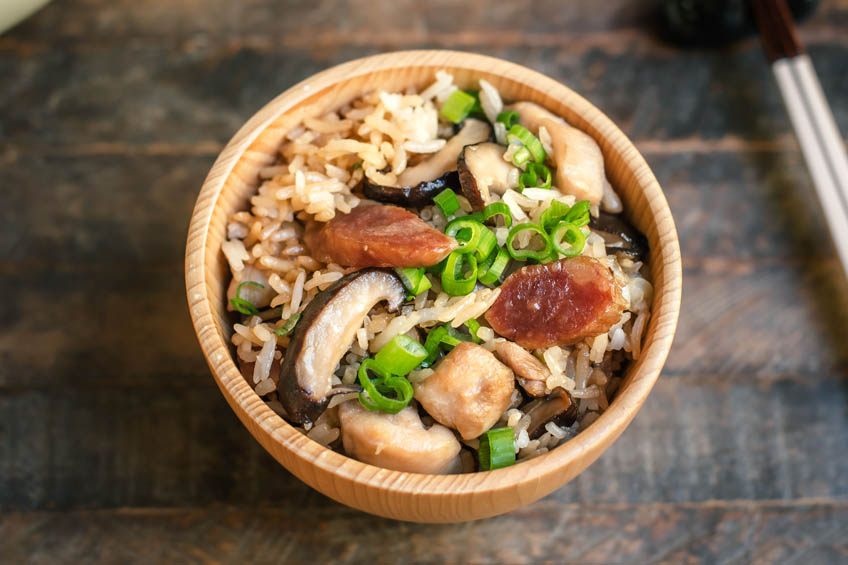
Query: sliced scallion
[[520, 134], [473, 325], [497, 449], [245, 306], [454, 282], [447, 202], [490, 270], [458, 105], [578, 214], [524, 254], [521, 157], [467, 232], [414, 280], [375, 395], [286, 328], [536, 175], [553, 214], [498, 209], [508, 118], [565, 232], [401, 355], [488, 241]]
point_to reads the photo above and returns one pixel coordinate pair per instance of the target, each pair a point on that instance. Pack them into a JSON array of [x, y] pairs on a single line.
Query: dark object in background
[[712, 22]]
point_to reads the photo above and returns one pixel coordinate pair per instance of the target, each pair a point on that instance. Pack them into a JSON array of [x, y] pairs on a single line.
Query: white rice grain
[[262, 368]]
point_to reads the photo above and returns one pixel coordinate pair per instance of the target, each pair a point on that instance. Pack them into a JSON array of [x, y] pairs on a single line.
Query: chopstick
[[811, 116]]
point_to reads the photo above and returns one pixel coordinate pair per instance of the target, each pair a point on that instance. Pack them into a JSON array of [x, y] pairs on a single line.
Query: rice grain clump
[[322, 166]]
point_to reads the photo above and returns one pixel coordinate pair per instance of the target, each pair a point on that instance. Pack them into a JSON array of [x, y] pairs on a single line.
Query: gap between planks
[[727, 144], [614, 41]]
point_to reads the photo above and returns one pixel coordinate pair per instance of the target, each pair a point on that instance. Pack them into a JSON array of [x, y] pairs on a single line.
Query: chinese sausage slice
[[378, 236], [557, 303]]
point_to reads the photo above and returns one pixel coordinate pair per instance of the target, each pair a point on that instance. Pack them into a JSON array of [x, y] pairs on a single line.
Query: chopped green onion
[[401, 355], [498, 209], [565, 231], [497, 449], [245, 306], [521, 157], [579, 214], [473, 325], [477, 108], [432, 343], [467, 232], [536, 175], [522, 135], [286, 328], [414, 280], [374, 397], [508, 118], [357, 165], [553, 214], [442, 335], [488, 241], [447, 201], [524, 254], [458, 105], [453, 281], [490, 270], [454, 337]]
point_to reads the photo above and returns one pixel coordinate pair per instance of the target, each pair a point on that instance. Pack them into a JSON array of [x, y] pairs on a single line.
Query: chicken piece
[[530, 373], [398, 441], [578, 159], [378, 236], [468, 391], [558, 303]]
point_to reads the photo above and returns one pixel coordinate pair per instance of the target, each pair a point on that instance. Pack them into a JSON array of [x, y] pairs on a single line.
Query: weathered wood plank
[[199, 97], [371, 22], [547, 532], [696, 439]]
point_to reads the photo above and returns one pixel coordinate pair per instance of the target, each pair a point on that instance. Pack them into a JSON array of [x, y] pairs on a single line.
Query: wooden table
[[115, 443]]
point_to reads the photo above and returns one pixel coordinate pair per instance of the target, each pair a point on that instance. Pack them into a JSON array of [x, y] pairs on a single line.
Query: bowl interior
[[234, 178]]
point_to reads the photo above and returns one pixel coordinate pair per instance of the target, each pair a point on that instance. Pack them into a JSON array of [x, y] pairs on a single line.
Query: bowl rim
[[253, 411]]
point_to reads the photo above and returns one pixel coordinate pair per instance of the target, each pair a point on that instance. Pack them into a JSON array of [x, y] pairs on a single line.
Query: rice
[[321, 163]]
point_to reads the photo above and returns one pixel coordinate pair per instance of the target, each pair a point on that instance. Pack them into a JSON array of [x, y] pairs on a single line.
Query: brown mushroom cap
[[482, 170], [324, 333]]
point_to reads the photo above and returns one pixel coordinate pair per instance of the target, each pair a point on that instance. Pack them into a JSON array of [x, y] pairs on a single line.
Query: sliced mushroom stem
[[326, 329], [473, 131], [558, 408]]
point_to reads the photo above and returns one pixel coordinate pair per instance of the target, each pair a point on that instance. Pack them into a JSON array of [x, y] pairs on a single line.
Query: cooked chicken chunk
[[378, 236], [468, 391], [558, 303], [578, 159], [398, 441]]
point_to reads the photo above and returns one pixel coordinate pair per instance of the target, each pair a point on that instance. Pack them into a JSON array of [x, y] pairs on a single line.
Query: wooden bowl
[[409, 496]]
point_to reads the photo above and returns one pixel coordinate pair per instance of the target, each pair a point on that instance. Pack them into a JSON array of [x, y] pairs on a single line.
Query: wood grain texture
[[734, 532], [177, 443], [108, 403], [390, 493]]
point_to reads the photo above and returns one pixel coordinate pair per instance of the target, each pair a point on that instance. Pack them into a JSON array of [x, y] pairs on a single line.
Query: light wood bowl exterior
[[408, 496]]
